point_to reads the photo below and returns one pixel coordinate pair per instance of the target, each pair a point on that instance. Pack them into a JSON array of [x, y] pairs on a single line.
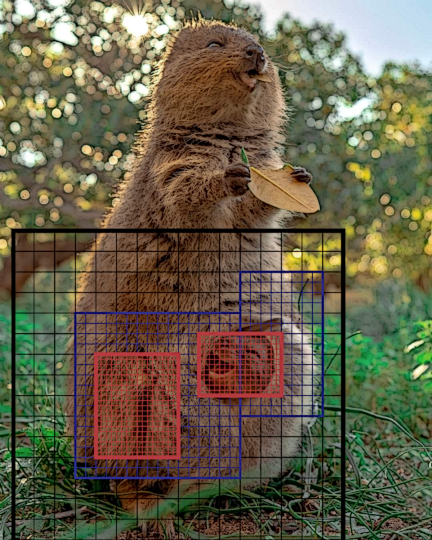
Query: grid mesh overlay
[[207, 438], [268, 299], [147, 384], [240, 364], [219, 283]]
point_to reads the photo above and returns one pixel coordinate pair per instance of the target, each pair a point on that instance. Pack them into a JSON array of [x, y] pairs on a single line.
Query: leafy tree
[[74, 81], [393, 141], [373, 171], [72, 88]]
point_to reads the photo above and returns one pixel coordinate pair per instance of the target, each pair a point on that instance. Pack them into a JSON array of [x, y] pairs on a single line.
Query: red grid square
[[240, 364], [137, 405]]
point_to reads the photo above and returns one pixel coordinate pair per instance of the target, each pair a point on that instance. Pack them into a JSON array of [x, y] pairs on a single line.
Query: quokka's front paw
[[302, 175], [238, 179]]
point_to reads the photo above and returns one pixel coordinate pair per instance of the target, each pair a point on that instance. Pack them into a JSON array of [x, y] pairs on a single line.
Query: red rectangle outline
[[95, 419], [279, 335]]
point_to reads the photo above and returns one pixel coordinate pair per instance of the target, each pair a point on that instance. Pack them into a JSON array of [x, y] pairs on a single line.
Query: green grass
[[389, 488]]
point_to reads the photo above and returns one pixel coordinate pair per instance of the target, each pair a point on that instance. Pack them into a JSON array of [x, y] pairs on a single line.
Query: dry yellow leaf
[[263, 77], [278, 188]]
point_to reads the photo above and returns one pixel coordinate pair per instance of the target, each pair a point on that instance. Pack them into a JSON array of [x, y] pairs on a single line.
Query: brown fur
[[186, 176]]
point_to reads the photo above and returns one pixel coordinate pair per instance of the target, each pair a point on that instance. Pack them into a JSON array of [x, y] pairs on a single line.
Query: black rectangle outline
[[183, 231]]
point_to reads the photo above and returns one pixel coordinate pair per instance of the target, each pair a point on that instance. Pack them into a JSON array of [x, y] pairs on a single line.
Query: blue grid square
[[210, 428], [291, 302]]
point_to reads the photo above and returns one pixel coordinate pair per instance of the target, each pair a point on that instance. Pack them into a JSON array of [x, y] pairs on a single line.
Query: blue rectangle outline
[[86, 477], [322, 339]]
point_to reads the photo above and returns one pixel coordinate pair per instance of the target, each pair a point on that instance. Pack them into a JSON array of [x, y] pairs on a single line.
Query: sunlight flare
[[135, 24]]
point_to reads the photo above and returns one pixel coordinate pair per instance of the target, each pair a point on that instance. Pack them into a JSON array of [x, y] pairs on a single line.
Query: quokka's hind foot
[[151, 512]]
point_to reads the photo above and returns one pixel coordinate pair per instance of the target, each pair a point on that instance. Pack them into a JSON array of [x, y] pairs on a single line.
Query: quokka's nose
[[256, 54]]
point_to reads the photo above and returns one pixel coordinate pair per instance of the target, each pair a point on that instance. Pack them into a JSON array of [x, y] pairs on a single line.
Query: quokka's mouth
[[252, 76]]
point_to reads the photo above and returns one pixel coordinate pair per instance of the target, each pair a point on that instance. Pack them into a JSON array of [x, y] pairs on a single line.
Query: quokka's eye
[[214, 45]]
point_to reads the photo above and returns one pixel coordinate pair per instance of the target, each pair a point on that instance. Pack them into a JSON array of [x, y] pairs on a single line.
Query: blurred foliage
[[422, 348], [394, 305], [387, 380], [74, 81]]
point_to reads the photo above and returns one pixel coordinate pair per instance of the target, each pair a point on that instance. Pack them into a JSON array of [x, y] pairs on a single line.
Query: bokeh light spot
[[135, 24]]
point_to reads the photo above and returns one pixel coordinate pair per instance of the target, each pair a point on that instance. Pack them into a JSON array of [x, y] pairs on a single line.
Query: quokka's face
[[214, 65]]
